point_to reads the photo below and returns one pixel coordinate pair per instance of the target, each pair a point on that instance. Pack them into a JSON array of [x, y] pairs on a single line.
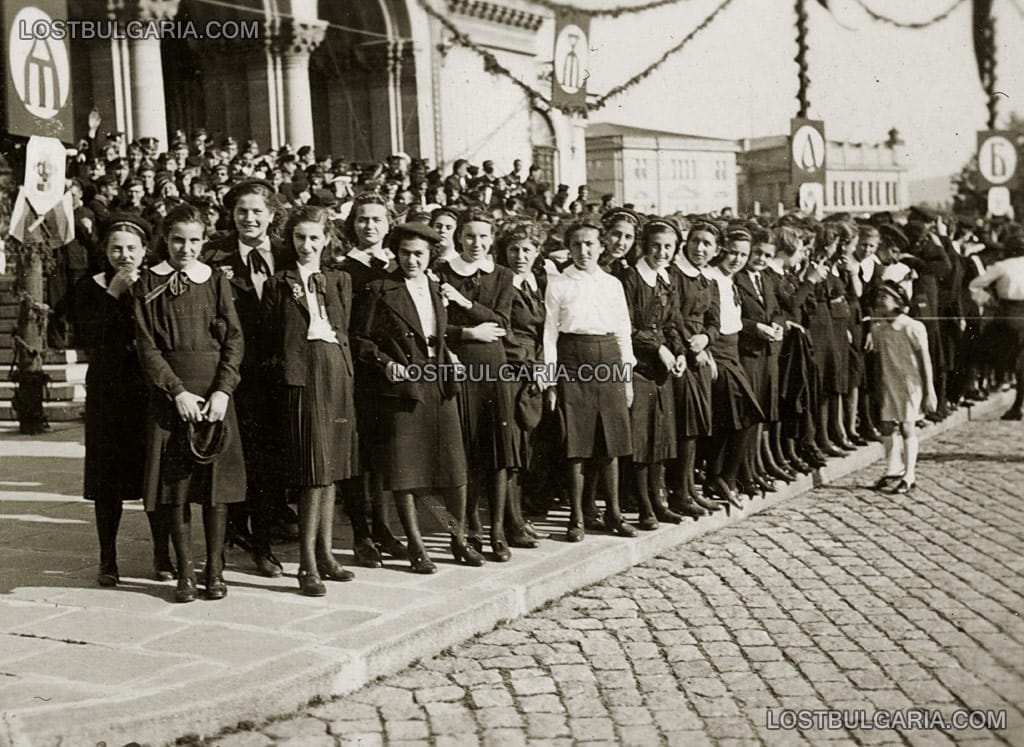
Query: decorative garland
[[911, 25], [491, 63], [661, 60], [803, 80]]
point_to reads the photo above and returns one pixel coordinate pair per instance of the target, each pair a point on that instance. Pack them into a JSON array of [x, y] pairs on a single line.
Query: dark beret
[[415, 230], [610, 217], [443, 210], [738, 232], [921, 214], [237, 190], [893, 236], [115, 220], [896, 291]]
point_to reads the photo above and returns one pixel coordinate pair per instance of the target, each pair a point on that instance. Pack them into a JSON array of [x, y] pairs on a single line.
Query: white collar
[[529, 279], [449, 255], [359, 256], [101, 279], [574, 272], [649, 275], [197, 272], [364, 257], [421, 283], [711, 272], [685, 266], [263, 247], [464, 268]]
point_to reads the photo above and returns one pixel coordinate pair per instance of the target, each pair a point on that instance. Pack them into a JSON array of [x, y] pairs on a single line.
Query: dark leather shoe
[[831, 450], [1013, 413], [522, 538], [575, 531], [310, 584], [331, 570], [186, 589], [619, 526], [420, 563], [766, 484], [668, 514], [800, 466], [108, 576], [465, 554], [163, 569], [500, 552], [366, 553], [215, 586], [594, 522], [706, 504], [846, 444], [871, 435], [268, 565], [535, 532], [904, 487], [858, 440], [779, 473], [475, 541], [390, 544], [647, 523]]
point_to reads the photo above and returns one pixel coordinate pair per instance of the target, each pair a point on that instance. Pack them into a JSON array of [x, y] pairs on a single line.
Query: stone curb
[[283, 685]]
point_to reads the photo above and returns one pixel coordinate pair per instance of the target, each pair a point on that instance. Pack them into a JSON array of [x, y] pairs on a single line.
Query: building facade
[[859, 177], [661, 172], [359, 79]]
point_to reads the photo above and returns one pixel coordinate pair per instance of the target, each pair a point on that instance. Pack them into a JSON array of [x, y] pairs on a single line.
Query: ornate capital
[[290, 37], [143, 10]]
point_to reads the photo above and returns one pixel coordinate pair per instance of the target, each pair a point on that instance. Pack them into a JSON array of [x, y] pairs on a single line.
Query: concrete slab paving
[[81, 664]]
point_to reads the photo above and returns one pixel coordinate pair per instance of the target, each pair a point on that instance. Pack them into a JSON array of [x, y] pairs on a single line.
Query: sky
[[738, 78]]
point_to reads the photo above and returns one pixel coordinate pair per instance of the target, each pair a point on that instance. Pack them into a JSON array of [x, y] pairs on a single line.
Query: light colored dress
[[899, 342]]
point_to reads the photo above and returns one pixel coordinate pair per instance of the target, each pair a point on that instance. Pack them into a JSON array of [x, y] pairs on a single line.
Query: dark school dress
[[115, 392], [758, 356], [189, 341], [362, 275], [931, 264], [485, 402], [821, 331], [734, 403], [523, 345], [698, 315], [314, 376], [259, 420], [653, 312], [798, 373], [417, 421], [839, 310]]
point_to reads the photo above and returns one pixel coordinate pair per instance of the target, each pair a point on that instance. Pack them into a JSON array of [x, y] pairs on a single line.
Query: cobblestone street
[[840, 599]]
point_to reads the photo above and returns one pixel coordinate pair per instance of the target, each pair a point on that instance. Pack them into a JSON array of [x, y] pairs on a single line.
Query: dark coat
[[285, 322], [754, 311], [386, 328]]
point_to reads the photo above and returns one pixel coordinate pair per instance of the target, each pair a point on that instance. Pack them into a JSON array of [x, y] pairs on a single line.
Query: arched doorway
[[363, 81]]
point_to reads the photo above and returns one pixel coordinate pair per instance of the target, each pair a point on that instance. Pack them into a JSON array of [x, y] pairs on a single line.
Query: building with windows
[[661, 172], [859, 177], [359, 79]]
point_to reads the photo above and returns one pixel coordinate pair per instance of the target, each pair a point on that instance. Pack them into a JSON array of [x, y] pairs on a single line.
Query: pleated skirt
[[692, 393], [735, 404], [322, 445], [596, 413], [763, 375], [653, 420]]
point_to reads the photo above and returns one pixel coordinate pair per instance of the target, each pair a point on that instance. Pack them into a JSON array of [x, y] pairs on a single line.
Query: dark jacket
[[386, 328], [285, 322], [754, 311]]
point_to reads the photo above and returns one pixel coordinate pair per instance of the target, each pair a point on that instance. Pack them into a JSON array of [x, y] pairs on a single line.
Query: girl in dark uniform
[[822, 330], [518, 249], [306, 313], [698, 326], [398, 328], [736, 411], [190, 345], [479, 295], [115, 405], [659, 350]]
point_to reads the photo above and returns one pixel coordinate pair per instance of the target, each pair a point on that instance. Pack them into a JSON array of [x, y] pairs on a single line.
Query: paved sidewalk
[[843, 599], [80, 664]]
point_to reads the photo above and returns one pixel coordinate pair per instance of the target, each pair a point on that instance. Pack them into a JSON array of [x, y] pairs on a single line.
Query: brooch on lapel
[[228, 272], [296, 291]]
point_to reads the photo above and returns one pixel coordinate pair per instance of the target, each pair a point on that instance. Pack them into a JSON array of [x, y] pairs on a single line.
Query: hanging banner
[[997, 159], [42, 212], [571, 59], [37, 84], [807, 151]]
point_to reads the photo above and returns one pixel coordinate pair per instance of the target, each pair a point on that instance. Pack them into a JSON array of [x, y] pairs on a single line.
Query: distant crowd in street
[[269, 329]]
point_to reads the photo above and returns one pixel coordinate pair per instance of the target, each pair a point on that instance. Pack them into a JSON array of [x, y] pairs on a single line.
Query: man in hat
[[107, 192]]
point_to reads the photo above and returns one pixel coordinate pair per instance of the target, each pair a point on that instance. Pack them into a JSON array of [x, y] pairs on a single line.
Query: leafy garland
[[494, 67], [661, 60], [912, 24]]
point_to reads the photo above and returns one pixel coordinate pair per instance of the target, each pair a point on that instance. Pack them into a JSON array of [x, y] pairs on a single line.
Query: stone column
[[293, 41], [148, 108]]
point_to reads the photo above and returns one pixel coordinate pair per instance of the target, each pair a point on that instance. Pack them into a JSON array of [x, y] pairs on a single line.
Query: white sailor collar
[[575, 273], [462, 267], [263, 246], [712, 272], [197, 272], [685, 266], [529, 279], [649, 275], [101, 279]]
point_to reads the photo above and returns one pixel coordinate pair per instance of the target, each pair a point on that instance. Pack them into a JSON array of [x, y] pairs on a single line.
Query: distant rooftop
[[608, 129]]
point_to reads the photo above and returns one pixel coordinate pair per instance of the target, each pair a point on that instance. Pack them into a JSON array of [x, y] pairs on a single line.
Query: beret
[[921, 214], [417, 230], [237, 190], [896, 291], [654, 225], [119, 218], [207, 441], [616, 214], [738, 232], [451, 212]]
